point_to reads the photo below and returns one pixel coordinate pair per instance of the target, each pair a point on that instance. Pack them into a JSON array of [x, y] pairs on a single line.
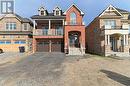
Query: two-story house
[[108, 33], [59, 31], [15, 31]]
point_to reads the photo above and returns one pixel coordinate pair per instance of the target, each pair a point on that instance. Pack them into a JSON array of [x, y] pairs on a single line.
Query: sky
[[91, 8]]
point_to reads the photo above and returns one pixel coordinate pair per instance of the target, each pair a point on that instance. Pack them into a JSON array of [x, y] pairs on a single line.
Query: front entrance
[[116, 42], [74, 40], [49, 45]]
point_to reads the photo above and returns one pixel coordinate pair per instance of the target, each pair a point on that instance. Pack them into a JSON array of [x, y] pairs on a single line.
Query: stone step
[[75, 51]]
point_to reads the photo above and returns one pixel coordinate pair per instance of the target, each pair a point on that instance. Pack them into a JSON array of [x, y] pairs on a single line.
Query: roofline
[[82, 13], [107, 8], [12, 14], [56, 7]]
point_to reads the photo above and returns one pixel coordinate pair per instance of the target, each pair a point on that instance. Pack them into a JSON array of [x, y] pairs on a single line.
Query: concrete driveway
[[39, 69]]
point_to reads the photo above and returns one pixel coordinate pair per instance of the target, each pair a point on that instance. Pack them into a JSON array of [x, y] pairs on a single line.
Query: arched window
[[73, 18]]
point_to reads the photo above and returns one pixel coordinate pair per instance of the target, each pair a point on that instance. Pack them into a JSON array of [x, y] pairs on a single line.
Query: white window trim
[[27, 26], [9, 26]]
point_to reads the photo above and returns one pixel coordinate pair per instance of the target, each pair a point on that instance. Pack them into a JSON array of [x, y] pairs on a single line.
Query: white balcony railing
[[116, 27], [49, 32]]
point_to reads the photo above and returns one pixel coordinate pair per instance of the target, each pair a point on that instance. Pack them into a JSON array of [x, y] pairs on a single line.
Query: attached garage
[[57, 46], [50, 45], [42, 46]]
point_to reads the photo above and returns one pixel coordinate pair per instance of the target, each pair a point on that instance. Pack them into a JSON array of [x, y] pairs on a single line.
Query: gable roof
[[82, 13], [118, 11], [24, 20], [57, 7]]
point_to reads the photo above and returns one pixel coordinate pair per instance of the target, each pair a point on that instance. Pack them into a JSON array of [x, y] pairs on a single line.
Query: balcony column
[[63, 22], [34, 26], [49, 24], [49, 31]]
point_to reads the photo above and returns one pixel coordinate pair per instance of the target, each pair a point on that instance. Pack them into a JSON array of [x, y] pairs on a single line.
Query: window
[[25, 26], [5, 42], [42, 13], [111, 23], [8, 42], [57, 12], [10, 26], [20, 42], [73, 18], [2, 42]]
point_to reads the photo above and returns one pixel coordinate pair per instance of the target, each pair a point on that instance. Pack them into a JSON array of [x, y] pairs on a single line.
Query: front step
[[75, 51], [119, 54]]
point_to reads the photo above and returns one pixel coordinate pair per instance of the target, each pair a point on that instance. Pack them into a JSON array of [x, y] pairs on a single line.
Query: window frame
[[111, 23], [20, 42], [25, 25], [5, 41], [11, 26], [73, 18]]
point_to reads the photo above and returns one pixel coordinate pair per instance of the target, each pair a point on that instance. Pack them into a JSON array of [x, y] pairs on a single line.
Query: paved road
[[40, 69]]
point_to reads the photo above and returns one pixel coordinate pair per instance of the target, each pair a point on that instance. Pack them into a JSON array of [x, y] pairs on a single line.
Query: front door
[[74, 40]]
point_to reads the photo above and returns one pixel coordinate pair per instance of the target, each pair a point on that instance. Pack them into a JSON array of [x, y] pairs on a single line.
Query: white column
[[49, 31], [63, 22], [34, 26], [49, 24], [124, 39], [105, 39], [108, 39]]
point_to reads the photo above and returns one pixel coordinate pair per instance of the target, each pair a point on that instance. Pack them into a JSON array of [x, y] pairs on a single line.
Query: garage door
[[57, 46], [42, 46]]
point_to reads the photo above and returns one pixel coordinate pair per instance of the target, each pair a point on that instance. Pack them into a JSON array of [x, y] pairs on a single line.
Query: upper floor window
[[73, 18], [25, 26], [10, 26], [110, 23], [57, 11], [42, 13]]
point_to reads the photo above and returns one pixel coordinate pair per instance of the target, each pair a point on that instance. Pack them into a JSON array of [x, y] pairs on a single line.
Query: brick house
[[108, 33], [15, 31], [59, 31]]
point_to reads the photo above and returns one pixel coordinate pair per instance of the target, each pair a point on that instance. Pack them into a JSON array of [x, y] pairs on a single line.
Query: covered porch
[[116, 44]]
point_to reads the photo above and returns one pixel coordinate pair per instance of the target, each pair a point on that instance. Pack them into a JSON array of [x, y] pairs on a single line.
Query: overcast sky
[[91, 8]]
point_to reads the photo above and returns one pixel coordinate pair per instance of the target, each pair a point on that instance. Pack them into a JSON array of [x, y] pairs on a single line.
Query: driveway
[[39, 69]]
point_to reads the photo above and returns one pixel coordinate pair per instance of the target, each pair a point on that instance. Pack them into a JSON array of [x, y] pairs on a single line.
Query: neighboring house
[[108, 33], [59, 31], [15, 31]]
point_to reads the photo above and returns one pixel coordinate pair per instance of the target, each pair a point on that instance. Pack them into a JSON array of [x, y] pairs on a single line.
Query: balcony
[[115, 27], [48, 32], [74, 23], [107, 29]]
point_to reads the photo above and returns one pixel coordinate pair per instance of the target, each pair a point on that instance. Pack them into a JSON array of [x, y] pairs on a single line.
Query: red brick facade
[[78, 27]]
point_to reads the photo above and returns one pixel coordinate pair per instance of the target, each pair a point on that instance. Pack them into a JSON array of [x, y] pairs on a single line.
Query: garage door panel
[[56, 46], [43, 46]]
